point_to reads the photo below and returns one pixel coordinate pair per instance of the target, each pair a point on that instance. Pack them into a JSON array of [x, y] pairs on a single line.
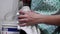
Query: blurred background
[[3, 9]]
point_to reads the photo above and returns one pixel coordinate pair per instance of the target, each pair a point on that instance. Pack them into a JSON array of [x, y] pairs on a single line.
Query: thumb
[[23, 12]]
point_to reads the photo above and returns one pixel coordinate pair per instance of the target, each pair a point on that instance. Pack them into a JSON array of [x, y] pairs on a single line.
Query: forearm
[[53, 19]]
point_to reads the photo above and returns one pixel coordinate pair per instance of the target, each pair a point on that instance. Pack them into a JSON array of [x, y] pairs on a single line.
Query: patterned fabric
[[46, 7]]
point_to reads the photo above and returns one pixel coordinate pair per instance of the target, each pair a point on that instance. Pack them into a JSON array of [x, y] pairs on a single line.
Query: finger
[[22, 25], [22, 16], [24, 12], [26, 24], [23, 20], [21, 12]]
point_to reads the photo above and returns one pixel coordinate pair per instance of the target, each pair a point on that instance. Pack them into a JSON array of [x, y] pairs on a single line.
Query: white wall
[[7, 6]]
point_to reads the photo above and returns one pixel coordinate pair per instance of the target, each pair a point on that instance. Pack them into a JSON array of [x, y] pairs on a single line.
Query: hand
[[28, 18]]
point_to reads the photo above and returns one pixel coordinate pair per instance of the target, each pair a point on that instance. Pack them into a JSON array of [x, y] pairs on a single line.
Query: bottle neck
[[27, 3]]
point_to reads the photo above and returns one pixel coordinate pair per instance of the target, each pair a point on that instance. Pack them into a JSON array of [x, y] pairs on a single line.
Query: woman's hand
[[32, 18], [28, 18]]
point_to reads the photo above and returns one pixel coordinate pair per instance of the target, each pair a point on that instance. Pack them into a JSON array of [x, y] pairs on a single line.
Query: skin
[[32, 18]]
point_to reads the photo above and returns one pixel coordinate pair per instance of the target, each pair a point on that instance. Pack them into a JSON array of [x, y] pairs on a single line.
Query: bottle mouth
[[22, 31], [27, 2]]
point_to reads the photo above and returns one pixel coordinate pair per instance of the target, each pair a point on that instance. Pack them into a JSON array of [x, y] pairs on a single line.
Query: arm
[[31, 18], [52, 19]]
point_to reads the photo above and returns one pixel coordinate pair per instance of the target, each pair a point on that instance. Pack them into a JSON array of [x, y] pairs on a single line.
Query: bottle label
[[10, 31]]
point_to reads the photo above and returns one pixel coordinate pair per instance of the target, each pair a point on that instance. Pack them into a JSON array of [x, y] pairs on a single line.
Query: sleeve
[[46, 7]]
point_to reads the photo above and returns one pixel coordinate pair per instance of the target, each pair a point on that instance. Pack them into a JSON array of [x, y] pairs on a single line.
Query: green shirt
[[46, 7]]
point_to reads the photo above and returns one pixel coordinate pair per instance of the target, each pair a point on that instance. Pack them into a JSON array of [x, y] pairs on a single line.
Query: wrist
[[42, 18], [51, 19]]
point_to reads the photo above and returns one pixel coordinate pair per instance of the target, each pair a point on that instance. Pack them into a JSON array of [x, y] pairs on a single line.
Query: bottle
[[25, 28], [9, 24], [28, 29]]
